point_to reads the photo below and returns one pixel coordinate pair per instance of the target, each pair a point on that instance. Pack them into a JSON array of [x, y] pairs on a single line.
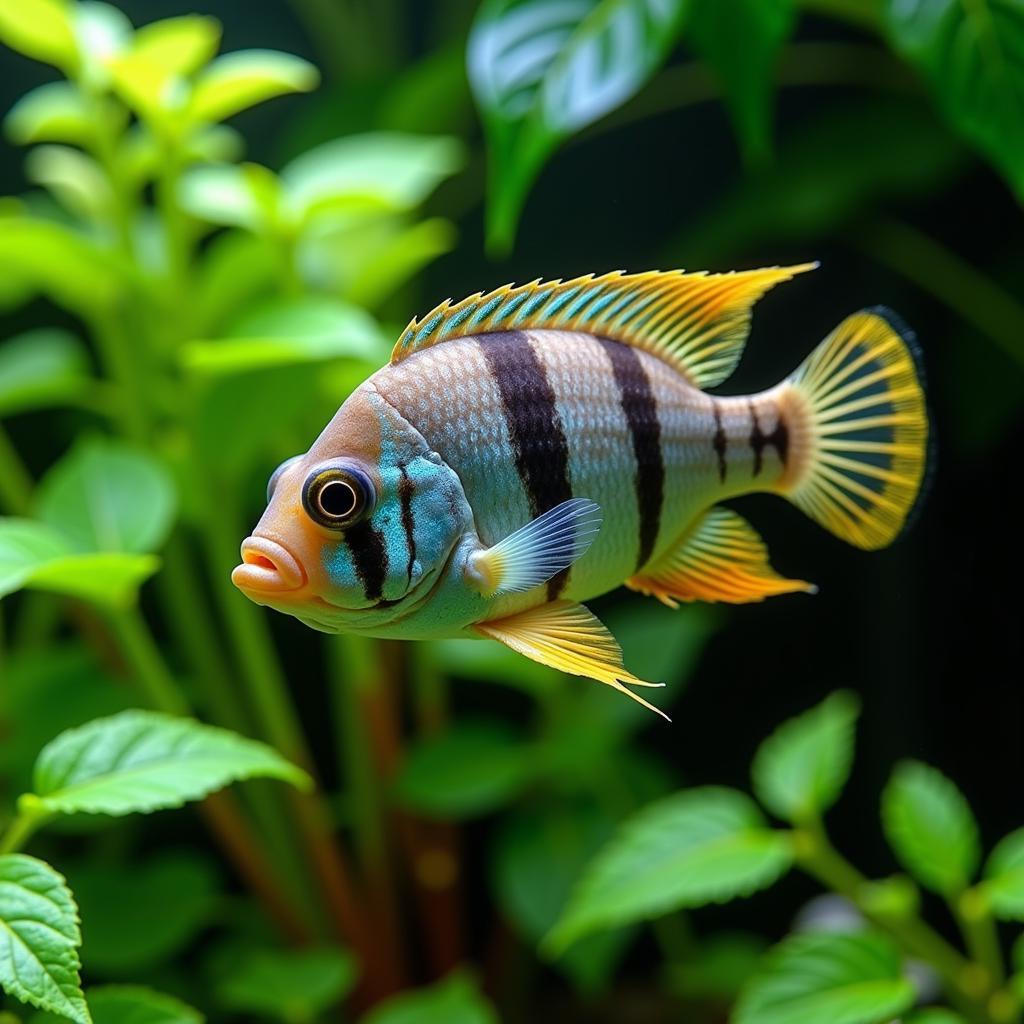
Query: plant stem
[[15, 482], [148, 667], [979, 932], [29, 818]]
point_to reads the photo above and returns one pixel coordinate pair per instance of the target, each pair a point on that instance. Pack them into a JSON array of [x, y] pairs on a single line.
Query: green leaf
[[834, 977], [539, 854], [289, 332], [108, 578], [54, 112], [39, 926], [472, 768], [741, 41], [74, 179], [1004, 878], [135, 1004], [290, 985], [930, 828], [390, 169], [934, 1015], [142, 761], [235, 81], [698, 846], [455, 1000], [25, 546], [103, 32], [246, 196], [541, 70], [973, 57], [139, 915], [108, 496], [719, 967], [41, 29], [800, 770], [41, 368]]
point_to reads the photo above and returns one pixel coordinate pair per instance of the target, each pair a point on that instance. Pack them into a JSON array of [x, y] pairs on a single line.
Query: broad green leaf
[[1004, 878], [289, 332], [131, 1004], [73, 178], [108, 496], [140, 915], [40, 938], [800, 770], [835, 977], [108, 578], [236, 270], [135, 1004], [698, 846], [41, 368], [973, 57], [391, 169], [54, 112], [290, 985], [142, 761], [542, 70], [741, 40], [930, 828], [538, 856], [471, 768], [26, 545], [235, 81], [61, 263], [455, 1000], [41, 29], [245, 196], [178, 46]]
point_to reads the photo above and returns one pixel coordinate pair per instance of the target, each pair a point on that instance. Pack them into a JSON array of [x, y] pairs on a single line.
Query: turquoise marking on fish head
[[359, 529]]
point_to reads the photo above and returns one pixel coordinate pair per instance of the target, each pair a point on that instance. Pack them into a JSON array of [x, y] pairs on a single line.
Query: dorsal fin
[[696, 322]]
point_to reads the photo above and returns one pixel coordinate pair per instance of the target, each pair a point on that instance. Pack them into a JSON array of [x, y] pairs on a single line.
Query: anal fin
[[721, 558], [568, 637]]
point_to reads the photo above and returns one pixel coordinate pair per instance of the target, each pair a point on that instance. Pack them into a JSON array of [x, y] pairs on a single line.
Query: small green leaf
[[54, 112], [455, 1000], [698, 846], [1004, 878], [40, 29], [41, 368], [973, 57], [135, 1004], [25, 546], [108, 496], [472, 768], [834, 977], [179, 46], [39, 938], [741, 40], [542, 70], [74, 179], [800, 770], [389, 169], [930, 828], [139, 915], [142, 761], [235, 81], [290, 985], [108, 578], [539, 854], [103, 32], [230, 195]]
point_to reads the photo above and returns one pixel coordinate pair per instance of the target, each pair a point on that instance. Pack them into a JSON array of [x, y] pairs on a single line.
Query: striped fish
[[530, 448]]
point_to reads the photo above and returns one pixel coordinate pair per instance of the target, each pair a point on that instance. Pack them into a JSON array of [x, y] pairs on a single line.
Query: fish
[[533, 447]]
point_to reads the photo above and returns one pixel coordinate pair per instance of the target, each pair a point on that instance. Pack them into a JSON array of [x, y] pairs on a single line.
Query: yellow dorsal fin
[[570, 638], [721, 558], [696, 322]]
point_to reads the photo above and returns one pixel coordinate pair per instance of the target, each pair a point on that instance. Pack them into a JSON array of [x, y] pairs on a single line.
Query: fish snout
[[269, 567]]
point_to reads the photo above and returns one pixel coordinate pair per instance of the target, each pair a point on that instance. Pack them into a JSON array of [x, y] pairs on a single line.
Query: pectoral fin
[[566, 636], [721, 558], [541, 549]]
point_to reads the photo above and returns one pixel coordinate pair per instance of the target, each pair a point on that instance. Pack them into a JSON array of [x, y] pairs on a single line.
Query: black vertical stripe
[[369, 556], [534, 426], [641, 411], [719, 443], [759, 440], [405, 490]]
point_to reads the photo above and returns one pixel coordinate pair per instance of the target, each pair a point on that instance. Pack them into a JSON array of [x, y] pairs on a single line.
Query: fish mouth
[[268, 568]]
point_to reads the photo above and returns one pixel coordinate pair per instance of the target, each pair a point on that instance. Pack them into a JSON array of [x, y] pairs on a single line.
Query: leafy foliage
[[455, 1000], [39, 928], [141, 761], [842, 978], [1004, 877], [931, 828]]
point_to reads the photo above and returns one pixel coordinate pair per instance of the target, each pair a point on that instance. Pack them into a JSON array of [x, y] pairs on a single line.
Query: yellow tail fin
[[859, 430]]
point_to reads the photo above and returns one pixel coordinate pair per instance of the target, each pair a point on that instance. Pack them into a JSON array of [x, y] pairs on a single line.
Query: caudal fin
[[859, 430]]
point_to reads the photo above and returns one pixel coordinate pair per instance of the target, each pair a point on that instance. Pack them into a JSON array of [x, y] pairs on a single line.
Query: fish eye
[[277, 474], [337, 495]]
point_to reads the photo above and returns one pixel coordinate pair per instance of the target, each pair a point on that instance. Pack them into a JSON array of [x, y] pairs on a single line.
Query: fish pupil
[[337, 499]]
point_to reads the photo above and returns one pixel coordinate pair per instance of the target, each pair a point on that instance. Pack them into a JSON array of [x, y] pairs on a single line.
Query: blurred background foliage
[[207, 244]]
